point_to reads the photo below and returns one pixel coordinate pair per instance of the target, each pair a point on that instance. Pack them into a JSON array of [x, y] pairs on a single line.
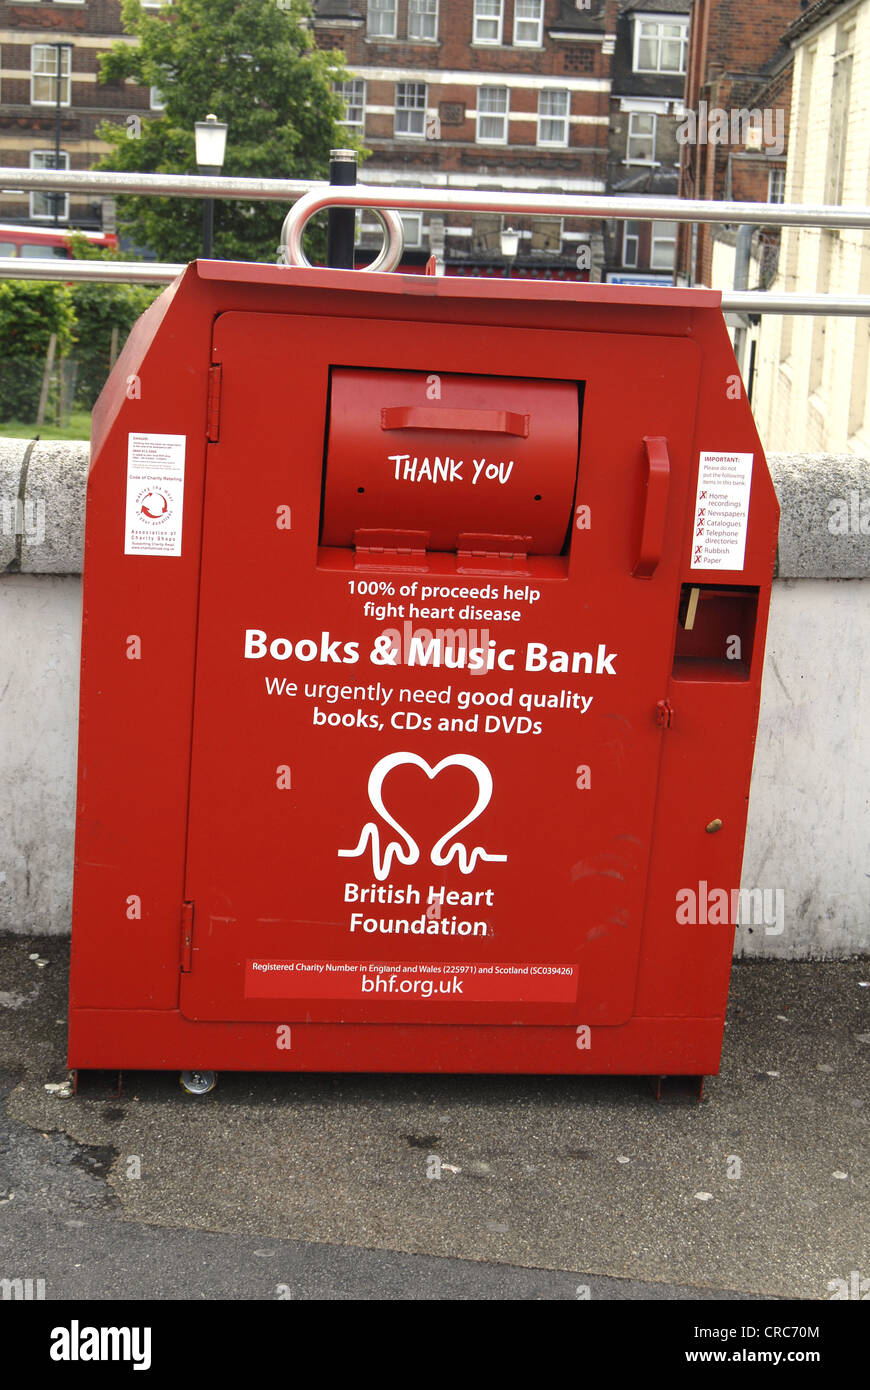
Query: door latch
[[664, 714]]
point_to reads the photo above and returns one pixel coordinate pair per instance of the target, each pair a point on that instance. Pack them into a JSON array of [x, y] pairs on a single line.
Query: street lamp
[[211, 144], [510, 245]]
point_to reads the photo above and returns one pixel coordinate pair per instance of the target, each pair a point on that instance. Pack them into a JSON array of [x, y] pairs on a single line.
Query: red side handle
[[421, 417], [655, 506]]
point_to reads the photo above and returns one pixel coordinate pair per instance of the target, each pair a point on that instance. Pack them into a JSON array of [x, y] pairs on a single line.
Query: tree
[[255, 65], [103, 312], [30, 311]]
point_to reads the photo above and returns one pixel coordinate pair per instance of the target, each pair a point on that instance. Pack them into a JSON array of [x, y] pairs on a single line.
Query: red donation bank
[[423, 633]]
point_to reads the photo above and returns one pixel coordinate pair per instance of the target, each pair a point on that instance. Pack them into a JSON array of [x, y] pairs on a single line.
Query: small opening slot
[[715, 632]]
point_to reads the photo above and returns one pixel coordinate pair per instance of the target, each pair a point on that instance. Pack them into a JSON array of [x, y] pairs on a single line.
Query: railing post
[[340, 233]]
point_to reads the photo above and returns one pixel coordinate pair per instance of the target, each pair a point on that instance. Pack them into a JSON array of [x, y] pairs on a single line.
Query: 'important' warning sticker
[[155, 494], [721, 511]]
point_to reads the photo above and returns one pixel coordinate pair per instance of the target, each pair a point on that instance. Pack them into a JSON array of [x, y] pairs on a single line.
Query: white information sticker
[[155, 494], [721, 511]]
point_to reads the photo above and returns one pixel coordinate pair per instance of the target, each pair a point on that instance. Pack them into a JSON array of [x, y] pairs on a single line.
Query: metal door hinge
[[492, 554], [382, 548], [664, 714], [186, 936], [213, 424]]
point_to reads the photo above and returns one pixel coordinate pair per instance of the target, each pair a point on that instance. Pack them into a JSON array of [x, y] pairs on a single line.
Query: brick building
[[487, 94], [646, 104], [735, 135], [564, 96], [34, 38]]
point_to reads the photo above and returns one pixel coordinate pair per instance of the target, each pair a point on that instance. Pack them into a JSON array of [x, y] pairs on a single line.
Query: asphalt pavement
[[276, 1186]]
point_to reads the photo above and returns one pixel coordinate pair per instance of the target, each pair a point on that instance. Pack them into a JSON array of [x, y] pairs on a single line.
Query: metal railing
[[105, 272], [310, 198], [154, 185]]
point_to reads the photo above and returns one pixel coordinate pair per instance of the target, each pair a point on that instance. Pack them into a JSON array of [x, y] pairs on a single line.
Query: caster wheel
[[197, 1083]]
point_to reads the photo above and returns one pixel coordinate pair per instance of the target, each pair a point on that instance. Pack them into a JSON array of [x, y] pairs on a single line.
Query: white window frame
[[51, 77], [776, 181], [338, 88], [490, 115], [645, 21], [410, 110], [636, 135], [383, 8], [658, 238], [520, 19], [412, 228], [423, 10], [44, 159], [563, 119], [481, 19], [155, 100], [627, 236]]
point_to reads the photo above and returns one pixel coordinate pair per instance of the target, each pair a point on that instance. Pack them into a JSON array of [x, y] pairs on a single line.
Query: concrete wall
[[809, 815]]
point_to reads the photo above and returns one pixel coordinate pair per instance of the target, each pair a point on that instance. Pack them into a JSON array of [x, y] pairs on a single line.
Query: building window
[[353, 94], [410, 108], [641, 146], [776, 186], [422, 19], [553, 107], [157, 101], [492, 115], [835, 168], [546, 234], [488, 17], [381, 19], [43, 75], [412, 228], [660, 45], [42, 204], [664, 246], [630, 244], [528, 23], [486, 234]]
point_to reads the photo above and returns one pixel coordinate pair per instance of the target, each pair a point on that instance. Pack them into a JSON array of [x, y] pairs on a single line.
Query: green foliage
[[255, 65], [100, 308], [30, 311]]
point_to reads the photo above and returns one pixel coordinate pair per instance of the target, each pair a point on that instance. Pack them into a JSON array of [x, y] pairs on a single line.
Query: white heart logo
[[406, 850]]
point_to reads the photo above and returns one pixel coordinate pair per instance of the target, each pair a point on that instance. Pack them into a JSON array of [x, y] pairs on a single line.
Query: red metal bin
[[423, 633]]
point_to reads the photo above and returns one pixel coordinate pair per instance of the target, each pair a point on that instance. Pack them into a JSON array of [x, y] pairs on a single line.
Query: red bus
[[44, 242]]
